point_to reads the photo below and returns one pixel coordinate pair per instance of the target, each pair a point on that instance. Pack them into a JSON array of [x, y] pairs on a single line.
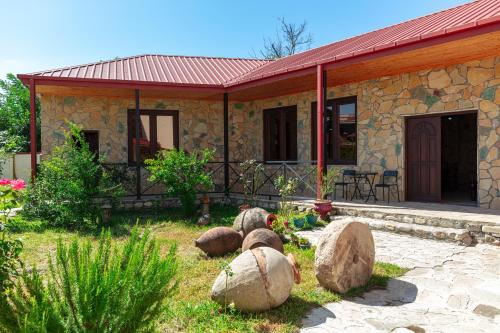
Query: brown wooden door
[[423, 137]]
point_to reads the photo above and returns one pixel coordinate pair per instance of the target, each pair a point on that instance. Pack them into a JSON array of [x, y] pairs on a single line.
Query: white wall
[[18, 166]]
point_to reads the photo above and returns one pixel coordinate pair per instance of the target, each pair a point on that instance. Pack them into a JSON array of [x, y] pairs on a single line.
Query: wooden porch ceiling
[[435, 56]]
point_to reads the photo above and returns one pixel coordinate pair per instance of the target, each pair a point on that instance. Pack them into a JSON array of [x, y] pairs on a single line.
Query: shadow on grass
[[121, 221]]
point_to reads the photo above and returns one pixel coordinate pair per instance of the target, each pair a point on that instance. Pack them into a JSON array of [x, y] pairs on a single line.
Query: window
[[92, 139], [280, 134], [340, 131], [159, 130]]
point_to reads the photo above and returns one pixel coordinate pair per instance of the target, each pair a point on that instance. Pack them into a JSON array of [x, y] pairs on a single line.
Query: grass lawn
[[191, 310]]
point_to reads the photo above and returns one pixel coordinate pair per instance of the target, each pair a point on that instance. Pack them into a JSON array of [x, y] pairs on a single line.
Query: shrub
[[328, 181], [252, 177], [10, 198], [182, 174], [286, 189], [68, 181], [94, 288]]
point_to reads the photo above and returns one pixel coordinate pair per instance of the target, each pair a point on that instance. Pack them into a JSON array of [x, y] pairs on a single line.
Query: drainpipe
[[226, 145], [33, 129], [320, 102], [137, 145]]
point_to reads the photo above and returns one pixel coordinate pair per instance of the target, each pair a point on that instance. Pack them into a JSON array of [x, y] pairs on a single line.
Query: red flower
[[4, 182], [286, 223], [17, 184]]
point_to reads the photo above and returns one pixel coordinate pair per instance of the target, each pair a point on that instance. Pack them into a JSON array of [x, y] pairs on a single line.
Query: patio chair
[[388, 180], [347, 179]]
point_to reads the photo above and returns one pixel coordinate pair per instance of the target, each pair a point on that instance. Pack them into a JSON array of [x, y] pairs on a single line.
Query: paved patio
[[449, 288]]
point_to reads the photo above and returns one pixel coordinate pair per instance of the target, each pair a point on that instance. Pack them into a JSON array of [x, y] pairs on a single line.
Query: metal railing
[[303, 171]]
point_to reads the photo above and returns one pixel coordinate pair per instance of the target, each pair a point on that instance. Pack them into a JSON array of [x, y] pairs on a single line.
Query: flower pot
[[298, 222], [311, 220], [323, 207]]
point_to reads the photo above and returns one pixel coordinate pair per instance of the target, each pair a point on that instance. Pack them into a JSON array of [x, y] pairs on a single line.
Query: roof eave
[[439, 37], [117, 84]]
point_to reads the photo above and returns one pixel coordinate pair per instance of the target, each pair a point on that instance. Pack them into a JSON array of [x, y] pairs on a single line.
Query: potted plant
[[323, 206]]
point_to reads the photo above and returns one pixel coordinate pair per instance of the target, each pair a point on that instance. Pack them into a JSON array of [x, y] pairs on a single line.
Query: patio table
[[369, 178]]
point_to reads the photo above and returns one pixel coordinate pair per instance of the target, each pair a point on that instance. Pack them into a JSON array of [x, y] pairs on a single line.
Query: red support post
[[33, 129], [320, 102]]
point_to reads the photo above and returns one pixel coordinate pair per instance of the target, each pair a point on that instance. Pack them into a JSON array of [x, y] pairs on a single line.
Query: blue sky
[[39, 35]]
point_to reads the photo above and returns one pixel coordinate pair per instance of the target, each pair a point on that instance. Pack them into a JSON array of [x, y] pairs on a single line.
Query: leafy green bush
[[68, 181], [11, 191], [286, 189], [182, 174], [94, 288]]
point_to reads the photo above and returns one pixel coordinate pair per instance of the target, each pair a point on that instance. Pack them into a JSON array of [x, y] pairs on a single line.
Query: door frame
[[440, 115]]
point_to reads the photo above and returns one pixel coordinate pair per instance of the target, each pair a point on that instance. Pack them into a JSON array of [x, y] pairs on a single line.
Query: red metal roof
[[149, 68], [226, 72], [464, 17]]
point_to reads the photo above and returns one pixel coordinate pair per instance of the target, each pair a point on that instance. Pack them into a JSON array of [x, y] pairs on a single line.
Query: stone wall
[[382, 106], [200, 122]]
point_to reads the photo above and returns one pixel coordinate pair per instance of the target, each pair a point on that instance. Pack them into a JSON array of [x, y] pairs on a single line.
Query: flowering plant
[[10, 198]]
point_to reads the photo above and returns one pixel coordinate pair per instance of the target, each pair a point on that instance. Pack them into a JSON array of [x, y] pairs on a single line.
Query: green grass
[[191, 309]]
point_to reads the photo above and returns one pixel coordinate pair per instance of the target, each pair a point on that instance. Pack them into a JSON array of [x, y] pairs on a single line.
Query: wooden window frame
[[153, 114], [335, 104], [266, 134]]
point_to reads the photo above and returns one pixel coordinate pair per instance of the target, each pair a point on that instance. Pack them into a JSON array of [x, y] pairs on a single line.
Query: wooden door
[[423, 156]]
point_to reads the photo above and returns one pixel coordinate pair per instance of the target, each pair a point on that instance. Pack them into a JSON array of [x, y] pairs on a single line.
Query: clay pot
[[323, 207], [262, 237], [251, 219], [262, 279], [219, 241], [344, 256]]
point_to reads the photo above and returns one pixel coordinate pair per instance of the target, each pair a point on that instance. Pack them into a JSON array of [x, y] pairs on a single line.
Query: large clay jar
[[219, 241], [262, 237], [261, 279], [251, 219], [344, 256]]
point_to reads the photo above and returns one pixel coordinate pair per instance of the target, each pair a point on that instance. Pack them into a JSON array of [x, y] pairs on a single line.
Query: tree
[[290, 39], [15, 116]]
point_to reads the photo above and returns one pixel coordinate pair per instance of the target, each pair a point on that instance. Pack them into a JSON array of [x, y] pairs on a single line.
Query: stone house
[[421, 97]]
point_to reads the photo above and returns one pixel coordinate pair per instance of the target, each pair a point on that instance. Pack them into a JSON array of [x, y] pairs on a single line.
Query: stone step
[[403, 217], [457, 235]]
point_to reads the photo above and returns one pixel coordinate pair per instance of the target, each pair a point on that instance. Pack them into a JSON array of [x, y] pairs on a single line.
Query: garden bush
[[67, 183], [182, 174], [94, 288], [11, 191]]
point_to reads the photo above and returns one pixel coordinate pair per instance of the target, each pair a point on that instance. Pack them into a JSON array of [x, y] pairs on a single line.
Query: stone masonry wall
[[383, 104], [200, 122]]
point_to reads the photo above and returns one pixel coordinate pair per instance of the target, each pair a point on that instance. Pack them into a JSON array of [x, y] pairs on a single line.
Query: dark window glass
[[92, 139], [340, 131], [280, 134], [347, 132], [159, 130]]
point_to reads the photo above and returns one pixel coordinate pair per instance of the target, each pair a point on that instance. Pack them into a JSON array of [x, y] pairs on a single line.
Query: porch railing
[[303, 171]]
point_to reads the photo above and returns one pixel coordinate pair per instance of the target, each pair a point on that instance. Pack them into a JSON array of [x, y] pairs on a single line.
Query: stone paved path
[[449, 288]]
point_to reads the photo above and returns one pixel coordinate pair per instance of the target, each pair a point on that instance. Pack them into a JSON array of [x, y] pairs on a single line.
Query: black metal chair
[[388, 180], [347, 179]]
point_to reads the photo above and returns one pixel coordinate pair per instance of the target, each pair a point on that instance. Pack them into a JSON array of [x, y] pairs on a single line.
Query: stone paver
[[450, 288]]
